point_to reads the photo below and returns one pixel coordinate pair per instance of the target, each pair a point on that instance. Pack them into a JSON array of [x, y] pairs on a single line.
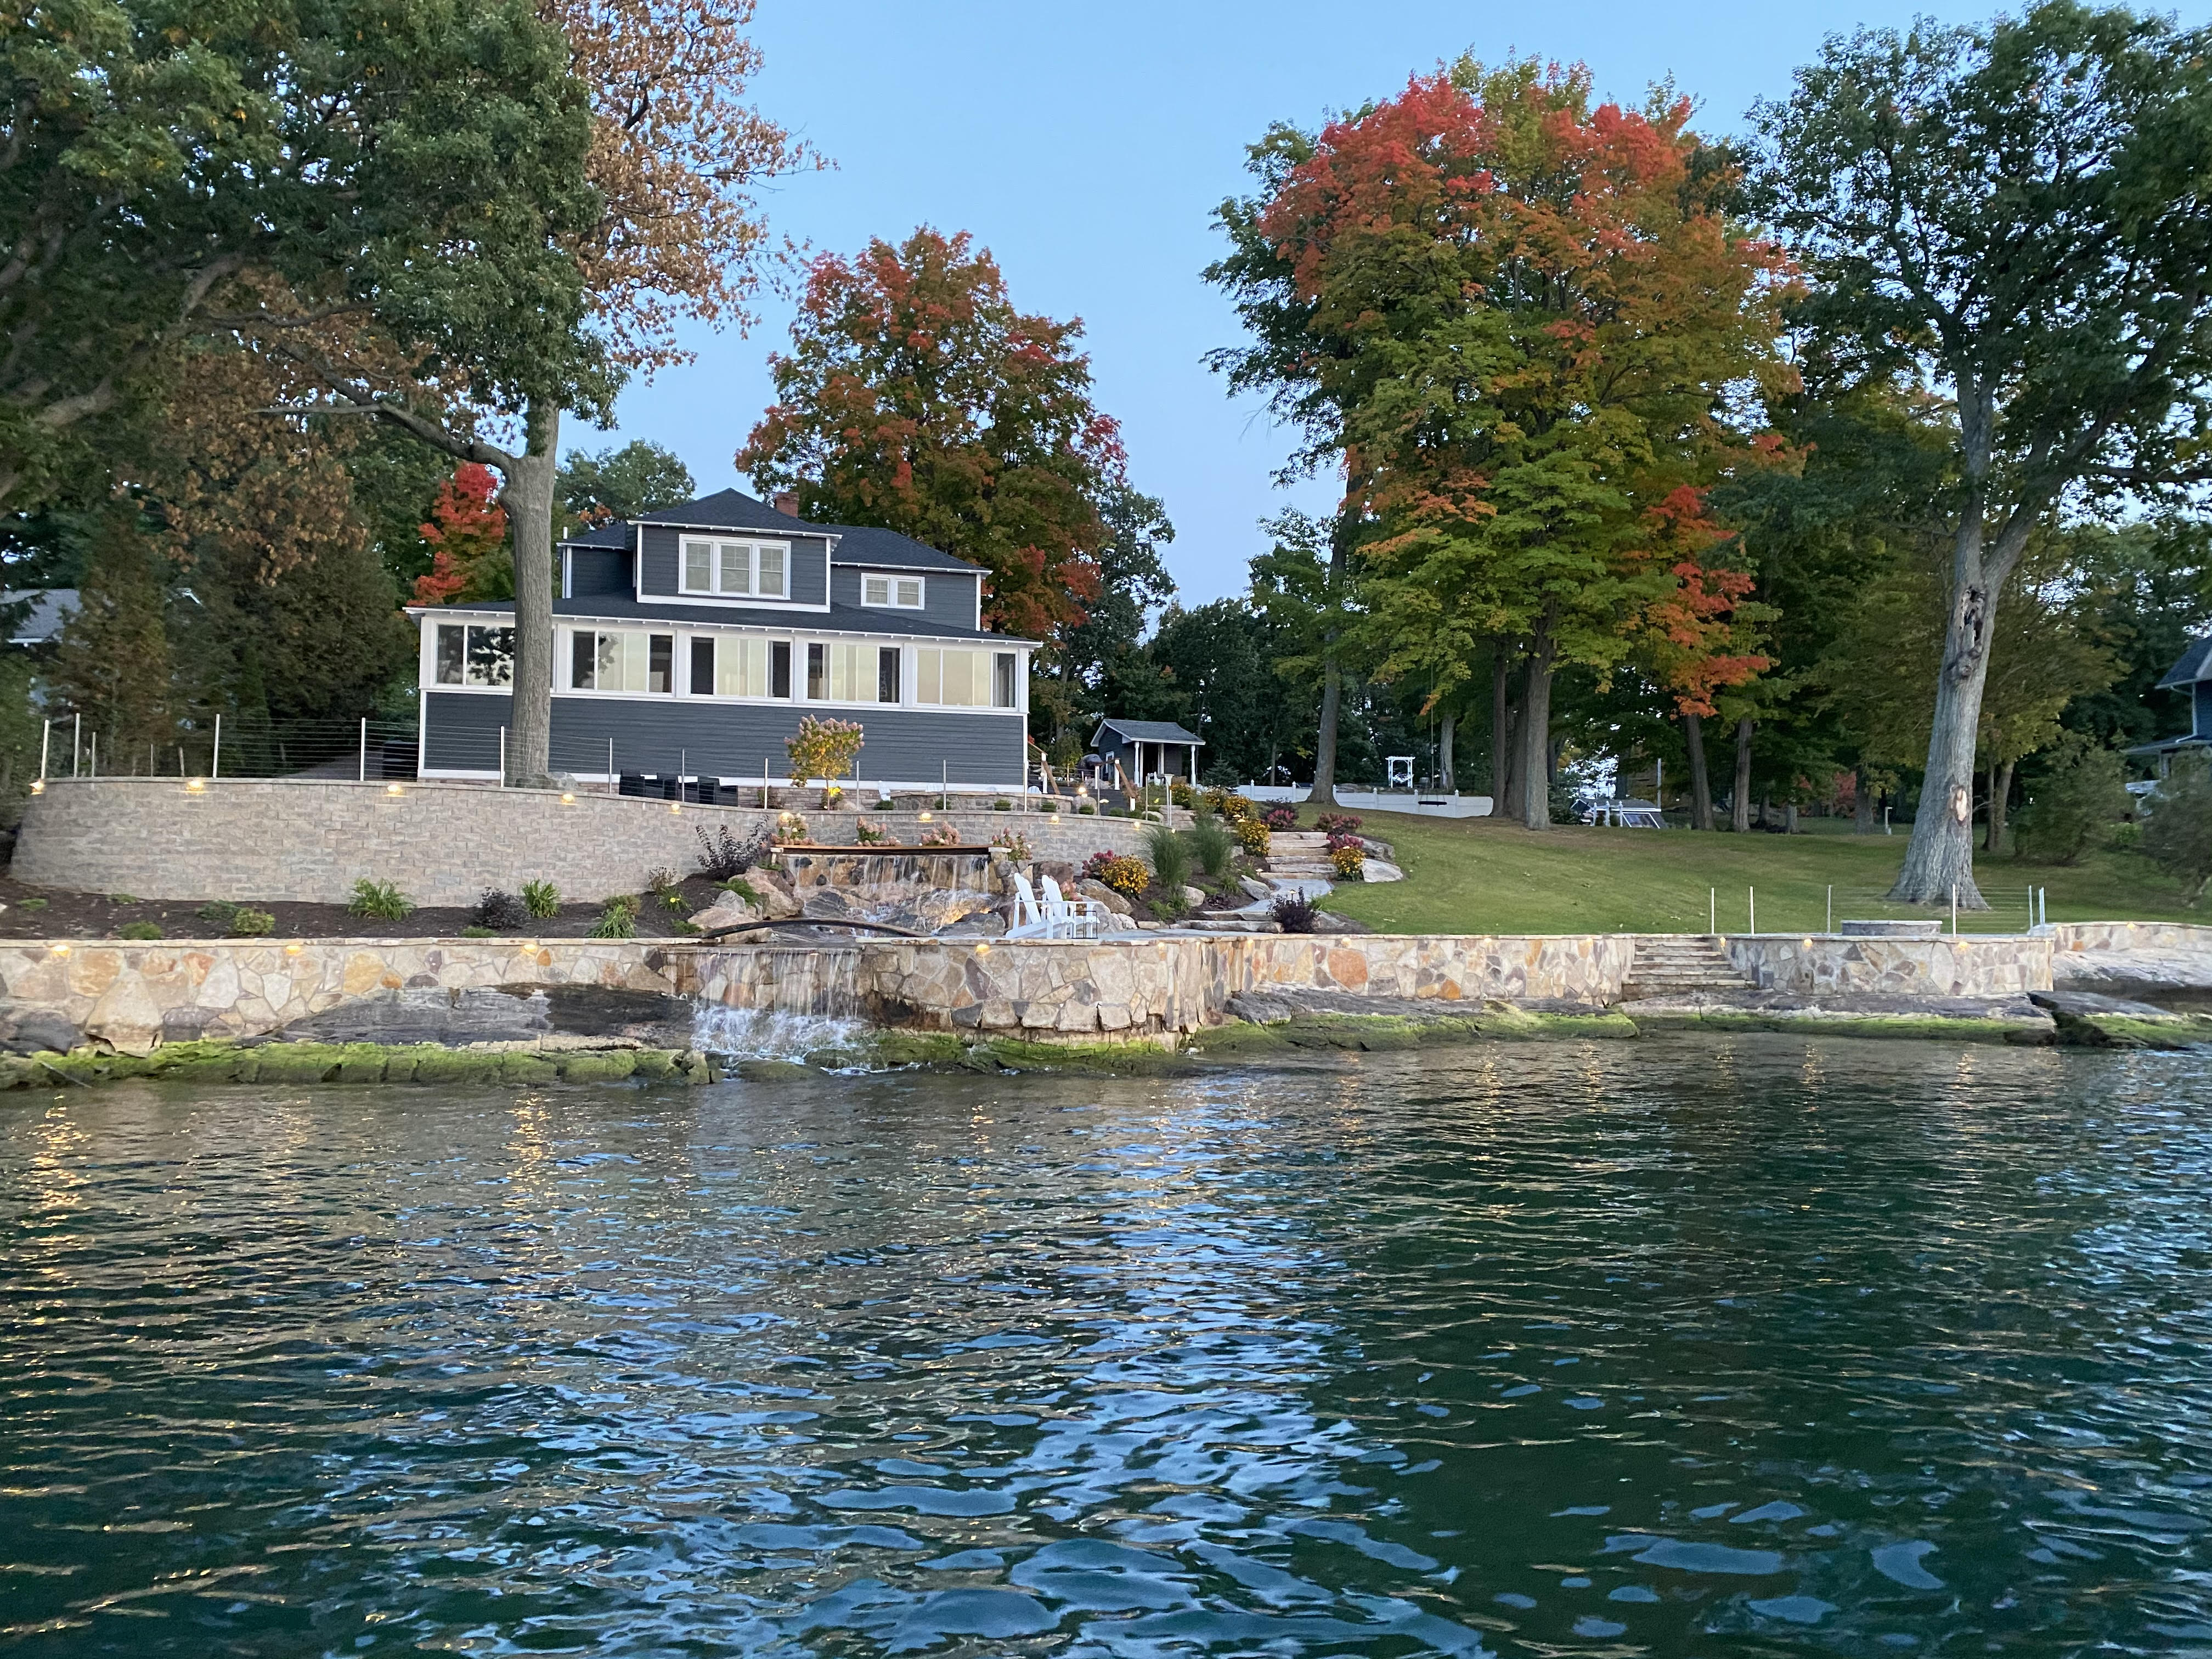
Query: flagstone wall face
[[2006, 966], [2163, 938], [444, 843]]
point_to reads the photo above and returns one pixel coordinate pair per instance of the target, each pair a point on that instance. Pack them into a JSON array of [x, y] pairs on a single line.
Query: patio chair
[[1069, 918], [1029, 919]]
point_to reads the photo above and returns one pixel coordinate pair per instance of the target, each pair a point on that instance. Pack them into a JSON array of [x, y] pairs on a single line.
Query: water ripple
[[1662, 1348]]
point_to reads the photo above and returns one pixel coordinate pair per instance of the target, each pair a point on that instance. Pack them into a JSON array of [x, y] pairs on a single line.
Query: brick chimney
[[786, 501]]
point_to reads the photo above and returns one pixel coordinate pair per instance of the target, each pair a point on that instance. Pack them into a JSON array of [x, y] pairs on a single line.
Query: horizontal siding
[[598, 570], [903, 745], [2204, 708], [808, 572], [947, 597]]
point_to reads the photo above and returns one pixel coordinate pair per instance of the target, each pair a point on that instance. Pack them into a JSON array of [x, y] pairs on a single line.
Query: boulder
[[37, 1030], [1380, 870], [1255, 889], [1194, 897], [1105, 895]]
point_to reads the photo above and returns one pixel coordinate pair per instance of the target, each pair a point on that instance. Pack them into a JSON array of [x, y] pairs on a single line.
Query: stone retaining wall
[[134, 996], [444, 843], [2164, 938], [1827, 965]]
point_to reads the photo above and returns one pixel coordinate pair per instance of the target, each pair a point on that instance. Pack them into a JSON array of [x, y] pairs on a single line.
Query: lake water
[[1663, 1347]]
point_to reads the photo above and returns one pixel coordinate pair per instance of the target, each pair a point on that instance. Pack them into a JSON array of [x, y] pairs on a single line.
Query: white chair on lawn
[[1068, 918]]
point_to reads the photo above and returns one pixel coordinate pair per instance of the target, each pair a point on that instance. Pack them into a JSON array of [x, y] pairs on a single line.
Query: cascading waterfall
[[769, 1002]]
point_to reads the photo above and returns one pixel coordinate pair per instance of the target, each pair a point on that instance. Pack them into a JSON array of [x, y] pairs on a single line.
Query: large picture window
[[741, 668], [472, 654], [621, 660], [737, 570], [899, 593], [968, 679]]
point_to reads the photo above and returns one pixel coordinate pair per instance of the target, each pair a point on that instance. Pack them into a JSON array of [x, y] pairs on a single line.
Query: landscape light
[[37, 785], [921, 817], [568, 798], [61, 950], [294, 948], [195, 787], [393, 789], [675, 806]]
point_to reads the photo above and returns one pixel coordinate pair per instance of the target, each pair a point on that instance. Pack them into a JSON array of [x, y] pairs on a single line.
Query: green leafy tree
[[621, 484], [112, 663], [2178, 835], [2074, 805], [1098, 654], [1522, 320], [2012, 213]]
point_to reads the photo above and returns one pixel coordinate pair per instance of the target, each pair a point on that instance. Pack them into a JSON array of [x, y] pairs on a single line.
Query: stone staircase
[[1676, 967], [1299, 852]]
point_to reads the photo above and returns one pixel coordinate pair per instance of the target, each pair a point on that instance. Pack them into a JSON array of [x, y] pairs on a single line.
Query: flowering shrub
[[1349, 861], [1182, 794], [1014, 846], [1280, 818], [1252, 835], [940, 834], [823, 749], [865, 834], [1125, 875], [1340, 839], [790, 828], [1337, 823]]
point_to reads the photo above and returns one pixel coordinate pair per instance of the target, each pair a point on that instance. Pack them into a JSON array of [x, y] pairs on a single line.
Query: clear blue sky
[[1087, 146]]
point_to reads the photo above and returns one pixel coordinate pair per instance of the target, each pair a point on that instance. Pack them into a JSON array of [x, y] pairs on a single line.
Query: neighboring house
[[693, 640], [50, 607], [1146, 749], [2193, 673]]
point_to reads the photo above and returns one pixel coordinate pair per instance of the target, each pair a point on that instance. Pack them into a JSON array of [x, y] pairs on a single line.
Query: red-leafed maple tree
[[467, 534], [917, 397], [1524, 322]]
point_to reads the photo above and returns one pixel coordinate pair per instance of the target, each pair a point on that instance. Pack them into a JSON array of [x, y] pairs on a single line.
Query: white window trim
[[753, 547], [426, 669], [865, 642], [734, 602], [892, 579]]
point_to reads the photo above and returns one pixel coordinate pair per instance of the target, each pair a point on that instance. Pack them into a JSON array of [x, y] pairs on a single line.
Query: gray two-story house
[[690, 643], [2192, 674]]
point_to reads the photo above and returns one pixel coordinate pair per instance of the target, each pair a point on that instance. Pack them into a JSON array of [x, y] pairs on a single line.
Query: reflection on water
[[1866, 1349]]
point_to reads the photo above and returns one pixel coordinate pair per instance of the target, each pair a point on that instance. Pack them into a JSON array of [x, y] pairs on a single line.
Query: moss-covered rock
[[1916, 1027], [2101, 1030], [653, 1064], [600, 1066]]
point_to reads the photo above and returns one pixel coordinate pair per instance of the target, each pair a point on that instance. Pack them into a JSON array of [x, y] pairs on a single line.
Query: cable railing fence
[[1802, 906], [225, 747]]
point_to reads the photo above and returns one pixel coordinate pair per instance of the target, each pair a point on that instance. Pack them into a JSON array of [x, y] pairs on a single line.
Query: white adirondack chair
[[1030, 920], [1069, 918]]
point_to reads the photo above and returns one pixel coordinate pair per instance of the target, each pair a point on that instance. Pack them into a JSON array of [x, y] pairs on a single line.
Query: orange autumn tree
[[917, 397], [467, 534], [1523, 323]]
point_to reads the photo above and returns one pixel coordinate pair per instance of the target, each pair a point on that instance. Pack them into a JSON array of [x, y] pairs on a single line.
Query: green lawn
[[1481, 875]]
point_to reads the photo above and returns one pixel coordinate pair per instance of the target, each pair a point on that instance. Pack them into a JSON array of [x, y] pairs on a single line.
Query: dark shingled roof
[[2196, 665], [863, 543], [1148, 731], [728, 509], [616, 533]]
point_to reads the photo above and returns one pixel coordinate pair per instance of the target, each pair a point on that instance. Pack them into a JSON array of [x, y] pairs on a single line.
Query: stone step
[[1677, 967]]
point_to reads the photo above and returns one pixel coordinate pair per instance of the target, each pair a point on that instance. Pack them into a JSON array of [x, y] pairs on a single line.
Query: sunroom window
[[473, 653], [621, 660]]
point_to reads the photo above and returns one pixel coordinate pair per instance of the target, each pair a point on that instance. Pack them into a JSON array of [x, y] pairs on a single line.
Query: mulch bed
[[44, 913]]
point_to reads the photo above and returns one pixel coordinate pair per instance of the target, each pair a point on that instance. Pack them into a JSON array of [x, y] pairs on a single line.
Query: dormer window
[[736, 571], [898, 592]]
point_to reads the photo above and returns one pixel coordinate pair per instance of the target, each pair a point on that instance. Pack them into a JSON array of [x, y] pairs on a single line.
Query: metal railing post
[[361, 774], [46, 740], [1753, 892], [77, 745], [502, 757], [214, 765]]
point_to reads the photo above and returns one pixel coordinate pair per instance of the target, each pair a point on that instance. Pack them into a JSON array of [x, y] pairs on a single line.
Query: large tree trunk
[[1323, 793], [527, 493], [2000, 803], [1444, 777], [1939, 863], [1502, 804], [1863, 804], [1739, 804], [1536, 731], [1701, 783]]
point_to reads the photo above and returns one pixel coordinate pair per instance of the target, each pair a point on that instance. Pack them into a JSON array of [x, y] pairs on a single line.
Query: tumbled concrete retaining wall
[[135, 995], [1956, 966], [444, 843]]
